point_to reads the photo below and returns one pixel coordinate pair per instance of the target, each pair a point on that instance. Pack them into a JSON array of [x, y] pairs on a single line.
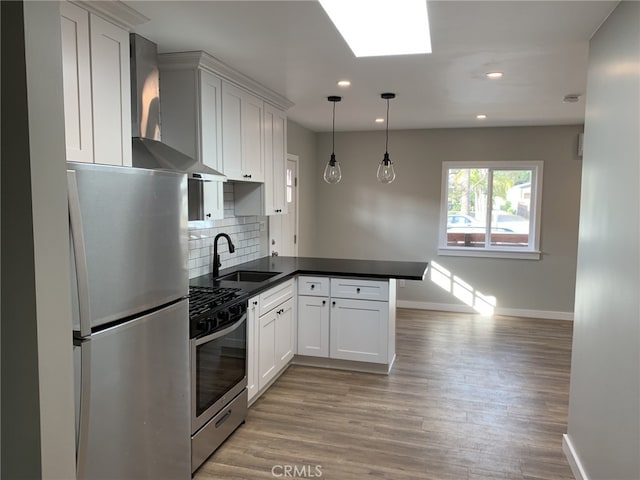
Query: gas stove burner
[[203, 299]]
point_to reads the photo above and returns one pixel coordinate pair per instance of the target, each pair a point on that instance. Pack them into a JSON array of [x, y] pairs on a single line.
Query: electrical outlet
[[401, 283]]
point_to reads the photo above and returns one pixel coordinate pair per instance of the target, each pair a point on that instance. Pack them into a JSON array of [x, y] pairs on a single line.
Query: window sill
[[478, 252]]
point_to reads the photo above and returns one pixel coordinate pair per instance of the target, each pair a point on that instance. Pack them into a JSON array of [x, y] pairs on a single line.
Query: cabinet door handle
[[358, 290], [255, 302], [312, 287], [208, 215], [324, 302], [333, 303]]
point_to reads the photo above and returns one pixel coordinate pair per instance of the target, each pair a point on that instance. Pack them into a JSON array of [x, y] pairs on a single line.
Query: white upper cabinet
[[275, 160], [232, 131], [211, 141], [210, 120], [110, 79], [250, 144], [191, 106], [96, 82], [243, 134], [269, 198], [76, 71]]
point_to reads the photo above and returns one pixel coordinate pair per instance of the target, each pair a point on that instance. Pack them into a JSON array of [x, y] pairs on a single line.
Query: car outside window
[[491, 209]]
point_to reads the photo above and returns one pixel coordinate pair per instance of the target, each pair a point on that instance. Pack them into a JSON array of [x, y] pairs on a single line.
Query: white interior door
[[283, 229]]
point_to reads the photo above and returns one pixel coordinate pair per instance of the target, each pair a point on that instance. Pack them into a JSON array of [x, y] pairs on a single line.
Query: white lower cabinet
[[253, 347], [267, 363], [285, 328], [270, 337], [276, 342], [313, 326], [359, 330], [347, 319]]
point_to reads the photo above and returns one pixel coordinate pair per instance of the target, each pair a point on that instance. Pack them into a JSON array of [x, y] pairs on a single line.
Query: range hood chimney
[[147, 149]]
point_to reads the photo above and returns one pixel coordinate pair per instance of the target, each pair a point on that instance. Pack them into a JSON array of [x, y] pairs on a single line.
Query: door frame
[[296, 159]]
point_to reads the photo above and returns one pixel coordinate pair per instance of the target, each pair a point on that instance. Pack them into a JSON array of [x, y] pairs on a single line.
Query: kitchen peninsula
[[288, 267], [323, 312]]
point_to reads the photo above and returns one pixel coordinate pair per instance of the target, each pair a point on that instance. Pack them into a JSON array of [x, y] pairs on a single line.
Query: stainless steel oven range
[[218, 337]]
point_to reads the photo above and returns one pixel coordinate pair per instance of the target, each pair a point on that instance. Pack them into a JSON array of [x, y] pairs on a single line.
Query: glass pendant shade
[[386, 173], [332, 172]]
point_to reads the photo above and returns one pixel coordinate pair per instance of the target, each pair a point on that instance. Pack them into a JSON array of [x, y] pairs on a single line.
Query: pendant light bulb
[[386, 173], [332, 172]]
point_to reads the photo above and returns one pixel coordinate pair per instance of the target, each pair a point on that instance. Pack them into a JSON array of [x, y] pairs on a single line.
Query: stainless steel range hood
[[147, 149]]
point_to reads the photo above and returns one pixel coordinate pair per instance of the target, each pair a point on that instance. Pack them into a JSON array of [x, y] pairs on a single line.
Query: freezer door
[[136, 420], [129, 240]]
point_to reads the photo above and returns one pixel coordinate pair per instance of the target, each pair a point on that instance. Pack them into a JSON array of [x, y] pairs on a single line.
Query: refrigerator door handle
[[77, 237], [85, 396]]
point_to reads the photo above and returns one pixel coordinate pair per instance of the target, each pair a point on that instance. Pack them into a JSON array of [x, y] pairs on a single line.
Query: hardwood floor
[[468, 398]]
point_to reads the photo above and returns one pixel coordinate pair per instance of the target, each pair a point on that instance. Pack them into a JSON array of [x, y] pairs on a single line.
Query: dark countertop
[[288, 267]]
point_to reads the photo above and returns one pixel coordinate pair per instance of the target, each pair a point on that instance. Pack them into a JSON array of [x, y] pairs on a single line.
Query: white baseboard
[[514, 312], [573, 459]]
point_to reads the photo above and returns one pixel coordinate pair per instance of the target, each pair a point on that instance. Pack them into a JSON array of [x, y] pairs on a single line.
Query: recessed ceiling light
[[374, 28], [495, 75], [379, 120], [344, 83], [482, 116]]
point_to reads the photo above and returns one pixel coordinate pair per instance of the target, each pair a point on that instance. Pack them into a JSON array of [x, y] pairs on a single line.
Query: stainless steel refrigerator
[[129, 256]]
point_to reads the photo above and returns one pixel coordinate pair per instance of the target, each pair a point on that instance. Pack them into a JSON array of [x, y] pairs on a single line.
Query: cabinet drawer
[[275, 296], [316, 286], [360, 289]]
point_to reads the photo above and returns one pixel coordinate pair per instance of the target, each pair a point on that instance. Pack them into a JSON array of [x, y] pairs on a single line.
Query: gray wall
[[37, 380], [302, 142], [604, 406], [360, 218]]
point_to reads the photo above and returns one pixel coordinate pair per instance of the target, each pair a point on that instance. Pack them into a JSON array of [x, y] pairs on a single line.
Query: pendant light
[[332, 172], [386, 173]]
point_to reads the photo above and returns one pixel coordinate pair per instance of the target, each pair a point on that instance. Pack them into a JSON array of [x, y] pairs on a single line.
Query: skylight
[[375, 28]]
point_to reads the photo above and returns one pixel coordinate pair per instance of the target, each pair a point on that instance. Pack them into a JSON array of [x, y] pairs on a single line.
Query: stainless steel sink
[[247, 276]]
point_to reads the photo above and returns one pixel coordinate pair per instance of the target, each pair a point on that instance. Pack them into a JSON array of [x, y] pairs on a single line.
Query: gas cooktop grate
[[203, 299]]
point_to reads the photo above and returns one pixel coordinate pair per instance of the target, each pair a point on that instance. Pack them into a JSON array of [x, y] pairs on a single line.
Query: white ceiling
[[293, 48]]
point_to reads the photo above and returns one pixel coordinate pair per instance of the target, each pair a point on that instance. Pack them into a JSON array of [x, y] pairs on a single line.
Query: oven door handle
[[221, 333]]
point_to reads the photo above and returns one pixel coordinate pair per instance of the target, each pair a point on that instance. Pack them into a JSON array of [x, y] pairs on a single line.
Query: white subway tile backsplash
[[244, 233]]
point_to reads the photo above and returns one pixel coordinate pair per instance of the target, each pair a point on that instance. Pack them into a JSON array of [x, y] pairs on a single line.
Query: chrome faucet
[[216, 256]]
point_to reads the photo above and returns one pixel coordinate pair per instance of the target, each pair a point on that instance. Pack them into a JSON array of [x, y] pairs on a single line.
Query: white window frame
[[532, 252]]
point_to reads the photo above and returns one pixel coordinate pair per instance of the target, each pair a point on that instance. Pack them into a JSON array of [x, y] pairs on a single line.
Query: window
[[491, 209]]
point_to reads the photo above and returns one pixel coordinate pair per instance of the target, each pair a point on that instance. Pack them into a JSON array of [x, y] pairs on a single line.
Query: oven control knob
[[223, 315]]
